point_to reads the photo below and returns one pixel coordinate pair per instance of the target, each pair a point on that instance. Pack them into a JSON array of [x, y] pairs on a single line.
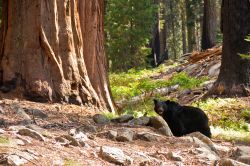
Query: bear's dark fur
[[182, 120]]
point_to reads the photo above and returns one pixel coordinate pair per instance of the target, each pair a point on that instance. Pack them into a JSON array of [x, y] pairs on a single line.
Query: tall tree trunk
[[183, 28], [190, 25], [209, 25], [159, 39], [42, 51], [92, 26], [173, 28], [234, 77]]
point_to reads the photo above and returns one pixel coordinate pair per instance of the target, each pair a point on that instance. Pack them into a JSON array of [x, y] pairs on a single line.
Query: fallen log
[[196, 56], [159, 91]]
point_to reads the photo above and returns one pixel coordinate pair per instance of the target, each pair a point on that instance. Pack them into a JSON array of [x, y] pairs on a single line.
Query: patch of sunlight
[[71, 162], [230, 135]]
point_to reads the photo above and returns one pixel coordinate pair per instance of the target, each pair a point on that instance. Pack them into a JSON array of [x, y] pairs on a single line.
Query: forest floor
[[62, 134]]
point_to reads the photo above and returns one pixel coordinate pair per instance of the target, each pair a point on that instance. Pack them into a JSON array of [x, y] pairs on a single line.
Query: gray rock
[[80, 136], [115, 155], [123, 118], [125, 135], [112, 134], [143, 121], [31, 133], [146, 136], [36, 128], [208, 84], [87, 129], [174, 156], [100, 119], [18, 110], [214, 70], [37, 113], [16, 160], [228, 162], [244, 159], [190, 69], [1, 110], [243, 150], [2, 131], [2, 122], [62, 140], [72, 140], [159, 123], [205, 152]]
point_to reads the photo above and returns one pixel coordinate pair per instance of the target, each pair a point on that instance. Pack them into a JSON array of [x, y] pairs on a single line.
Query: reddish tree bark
[[234, 77], [43, 51]]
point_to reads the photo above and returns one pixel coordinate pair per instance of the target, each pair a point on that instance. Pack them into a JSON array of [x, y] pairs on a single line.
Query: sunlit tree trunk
[[45, 56]]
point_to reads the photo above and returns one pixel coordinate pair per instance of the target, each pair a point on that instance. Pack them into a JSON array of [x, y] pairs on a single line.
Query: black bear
[[182, 120]]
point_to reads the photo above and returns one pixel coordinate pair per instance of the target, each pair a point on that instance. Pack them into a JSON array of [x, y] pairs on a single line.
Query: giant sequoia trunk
[[234, 77], [209, 25], [50, 52]]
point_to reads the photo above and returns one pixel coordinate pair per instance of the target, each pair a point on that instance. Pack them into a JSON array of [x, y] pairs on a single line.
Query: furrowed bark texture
[[45, 54]]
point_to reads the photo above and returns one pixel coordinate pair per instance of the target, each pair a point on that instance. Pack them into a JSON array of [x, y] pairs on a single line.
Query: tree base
[[223, 89]]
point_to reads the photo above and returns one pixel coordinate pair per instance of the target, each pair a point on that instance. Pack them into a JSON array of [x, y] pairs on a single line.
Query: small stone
[[115, 155], [72, 140], [18, 142], [146, 136], [2, 131], [125, 135], [100, 119], [16, 160], [229, 162], [112, 134], [244, 159], [206, 152], [87, 129], [81, 136], [2, 122], [174, 156], [37, 113], [123, 118], [1, 110], [22, 113], [143, 121], [61, 140], [214, 70], [31, 133], [36, 128]]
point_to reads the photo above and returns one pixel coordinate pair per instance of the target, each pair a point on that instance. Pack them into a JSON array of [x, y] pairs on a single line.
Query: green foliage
[[110, 115], [185, 81], [4, 140], [246, 114], [225, 113], [134, 82], [128, 25], [71, 162], [246, 56], [230, 134]]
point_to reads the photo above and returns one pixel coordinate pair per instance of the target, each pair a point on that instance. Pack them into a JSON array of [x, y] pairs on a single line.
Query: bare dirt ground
[[63, 118]]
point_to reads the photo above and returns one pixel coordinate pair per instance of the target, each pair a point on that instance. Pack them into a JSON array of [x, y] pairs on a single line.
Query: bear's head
[[162, 106]]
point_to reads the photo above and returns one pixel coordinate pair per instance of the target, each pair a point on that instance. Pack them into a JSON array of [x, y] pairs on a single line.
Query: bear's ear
[[155, 101]]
